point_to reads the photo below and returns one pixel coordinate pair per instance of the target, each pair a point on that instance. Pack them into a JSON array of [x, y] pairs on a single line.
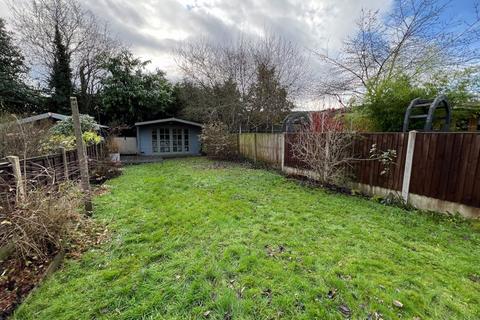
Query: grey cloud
[[125, 11], [142, 24]]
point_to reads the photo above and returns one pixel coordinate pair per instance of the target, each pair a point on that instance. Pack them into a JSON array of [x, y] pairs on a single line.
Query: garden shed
[[169, 136]]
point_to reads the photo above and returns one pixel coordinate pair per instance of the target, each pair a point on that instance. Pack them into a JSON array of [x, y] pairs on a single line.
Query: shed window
[[185, 140], [165, 140], [177, 140], [154, 141]]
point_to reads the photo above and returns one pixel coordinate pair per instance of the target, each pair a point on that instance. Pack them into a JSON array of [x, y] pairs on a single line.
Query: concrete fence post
[[407, 172], [65, 163], [17, 173]]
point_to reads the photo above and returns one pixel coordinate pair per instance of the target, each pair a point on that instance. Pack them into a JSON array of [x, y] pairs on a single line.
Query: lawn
[[192, 239]]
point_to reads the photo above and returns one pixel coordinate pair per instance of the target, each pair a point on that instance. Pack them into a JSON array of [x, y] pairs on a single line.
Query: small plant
[[386, 157], [105, 170], [395, 200]]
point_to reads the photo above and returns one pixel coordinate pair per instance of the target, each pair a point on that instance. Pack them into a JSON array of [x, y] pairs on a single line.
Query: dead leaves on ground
[[474, 278], [345, 310], [274, 251]]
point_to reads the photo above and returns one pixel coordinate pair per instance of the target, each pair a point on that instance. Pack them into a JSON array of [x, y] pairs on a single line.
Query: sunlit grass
[[193, 240]]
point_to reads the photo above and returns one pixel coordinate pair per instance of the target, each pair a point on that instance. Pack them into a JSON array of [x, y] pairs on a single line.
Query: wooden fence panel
[[369, 171], [264, 147], [269, 148], [43, 170], [247, 145], [289, 158], [446, 166]]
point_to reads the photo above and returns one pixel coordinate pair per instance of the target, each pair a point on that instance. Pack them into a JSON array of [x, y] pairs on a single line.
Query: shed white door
[[170, 140]]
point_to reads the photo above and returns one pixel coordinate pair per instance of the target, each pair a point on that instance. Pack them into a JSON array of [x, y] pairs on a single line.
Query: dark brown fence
[[364, 169], [445, 166], [369, 171], [289, 158]]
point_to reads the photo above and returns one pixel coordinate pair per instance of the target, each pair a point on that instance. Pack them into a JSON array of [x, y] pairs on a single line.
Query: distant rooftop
[[47, 115]]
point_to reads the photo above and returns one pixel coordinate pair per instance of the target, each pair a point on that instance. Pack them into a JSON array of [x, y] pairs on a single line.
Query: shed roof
[[168, 120], [48, 115]]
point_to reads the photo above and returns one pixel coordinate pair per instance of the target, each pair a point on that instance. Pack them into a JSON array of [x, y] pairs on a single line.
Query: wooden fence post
[[255, 146], [65, 163], [96, 152], [82, 157], [17, 172], [282, 150], [407, 172]]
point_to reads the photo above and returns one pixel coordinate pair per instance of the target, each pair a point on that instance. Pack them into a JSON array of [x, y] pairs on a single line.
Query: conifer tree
[[60, 81]]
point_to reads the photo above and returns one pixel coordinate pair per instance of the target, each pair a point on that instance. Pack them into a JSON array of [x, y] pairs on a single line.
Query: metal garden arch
[[428, 107]]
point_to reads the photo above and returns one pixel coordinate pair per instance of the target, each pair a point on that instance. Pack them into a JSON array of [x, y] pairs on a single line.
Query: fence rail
[[444, 166], [45, 170]]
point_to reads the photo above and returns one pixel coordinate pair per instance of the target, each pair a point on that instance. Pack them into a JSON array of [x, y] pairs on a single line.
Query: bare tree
[[329, 153], [86, 39], [413, 39], [210, 64]]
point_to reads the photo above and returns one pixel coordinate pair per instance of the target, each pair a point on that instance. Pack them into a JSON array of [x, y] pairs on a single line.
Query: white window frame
[[184, 132]]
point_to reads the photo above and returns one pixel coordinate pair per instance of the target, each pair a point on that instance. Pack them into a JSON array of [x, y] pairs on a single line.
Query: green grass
[[189, 238]]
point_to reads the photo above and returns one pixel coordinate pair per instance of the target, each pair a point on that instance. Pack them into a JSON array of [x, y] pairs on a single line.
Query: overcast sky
[[151, 28], [154, 27]]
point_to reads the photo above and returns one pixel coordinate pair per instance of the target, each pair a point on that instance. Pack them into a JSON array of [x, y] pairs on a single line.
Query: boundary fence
[[433, 171], [15, 173]]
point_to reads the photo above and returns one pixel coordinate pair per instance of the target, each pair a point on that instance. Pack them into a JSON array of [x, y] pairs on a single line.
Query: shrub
[[44, 221], [218, 142], [65, 127], [55, 141], [385, 103], [329, 156]]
